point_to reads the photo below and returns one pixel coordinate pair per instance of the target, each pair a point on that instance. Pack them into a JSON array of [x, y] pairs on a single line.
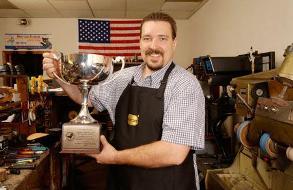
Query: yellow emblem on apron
[[133, 120]]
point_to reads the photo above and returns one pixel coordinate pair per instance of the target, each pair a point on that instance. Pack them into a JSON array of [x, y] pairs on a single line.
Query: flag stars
[[94, 31]]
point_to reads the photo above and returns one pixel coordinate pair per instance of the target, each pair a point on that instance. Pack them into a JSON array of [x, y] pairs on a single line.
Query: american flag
[[109, 37]]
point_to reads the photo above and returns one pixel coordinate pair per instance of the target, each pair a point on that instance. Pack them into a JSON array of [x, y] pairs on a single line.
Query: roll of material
[[266, 145], [289, 153], [241, 133]]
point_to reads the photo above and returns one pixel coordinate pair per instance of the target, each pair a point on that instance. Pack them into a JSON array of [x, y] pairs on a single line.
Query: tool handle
[[22, 166]]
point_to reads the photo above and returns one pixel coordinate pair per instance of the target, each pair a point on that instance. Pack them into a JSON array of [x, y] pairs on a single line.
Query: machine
[[264, 101], [215, 74]]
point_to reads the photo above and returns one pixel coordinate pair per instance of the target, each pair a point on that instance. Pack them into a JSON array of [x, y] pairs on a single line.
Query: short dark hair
[[160, 16]]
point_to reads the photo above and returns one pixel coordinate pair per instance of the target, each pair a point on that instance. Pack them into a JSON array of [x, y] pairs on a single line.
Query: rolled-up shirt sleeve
[[184, 117]]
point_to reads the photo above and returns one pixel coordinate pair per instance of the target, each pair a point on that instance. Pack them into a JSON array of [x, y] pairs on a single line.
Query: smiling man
[[157, 44], [158, 112]]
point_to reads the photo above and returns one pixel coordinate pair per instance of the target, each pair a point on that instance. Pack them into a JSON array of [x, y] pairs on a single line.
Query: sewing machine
[[264, 161]]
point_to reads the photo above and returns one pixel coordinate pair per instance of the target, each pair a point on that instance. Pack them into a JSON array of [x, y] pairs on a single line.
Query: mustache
[[155, 51]]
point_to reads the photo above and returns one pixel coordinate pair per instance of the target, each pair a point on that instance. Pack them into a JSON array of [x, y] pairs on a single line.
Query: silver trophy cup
[[82, 134]]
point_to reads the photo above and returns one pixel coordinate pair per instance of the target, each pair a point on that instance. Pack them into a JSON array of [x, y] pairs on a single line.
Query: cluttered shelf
[[30, 167], [8, 108], [14, 99], [12, 119], [26, 171]]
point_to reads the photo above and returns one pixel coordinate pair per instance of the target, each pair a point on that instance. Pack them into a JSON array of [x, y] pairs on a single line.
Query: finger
[[48, 55], [103, 140], [51, 74], [48, 62], [49, 67]]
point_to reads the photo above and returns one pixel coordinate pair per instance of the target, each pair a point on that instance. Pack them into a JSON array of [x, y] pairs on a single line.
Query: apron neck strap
[[163, 85]]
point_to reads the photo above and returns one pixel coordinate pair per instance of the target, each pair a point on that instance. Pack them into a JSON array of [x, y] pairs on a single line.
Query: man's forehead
[[158, 27]]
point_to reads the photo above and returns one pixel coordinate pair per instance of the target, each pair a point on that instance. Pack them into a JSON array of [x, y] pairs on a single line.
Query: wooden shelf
[[7, 105], [12, 76], [8, 108]]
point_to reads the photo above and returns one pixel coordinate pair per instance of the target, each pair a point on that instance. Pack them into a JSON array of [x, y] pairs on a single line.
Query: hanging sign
[[27, 41]]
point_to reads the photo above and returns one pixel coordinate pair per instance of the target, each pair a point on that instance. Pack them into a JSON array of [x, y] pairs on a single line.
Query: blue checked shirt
[[184, 103]]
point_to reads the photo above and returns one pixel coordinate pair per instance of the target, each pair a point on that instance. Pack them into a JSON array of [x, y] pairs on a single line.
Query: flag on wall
[[109, 37]]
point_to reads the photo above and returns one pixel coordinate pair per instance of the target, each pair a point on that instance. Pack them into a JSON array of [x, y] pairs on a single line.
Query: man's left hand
[[107, 154]]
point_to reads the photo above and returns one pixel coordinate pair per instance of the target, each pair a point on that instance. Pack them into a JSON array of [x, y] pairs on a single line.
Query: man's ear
[[174, 43]]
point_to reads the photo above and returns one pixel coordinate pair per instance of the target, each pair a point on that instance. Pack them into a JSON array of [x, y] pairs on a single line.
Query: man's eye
[[146, 38], [163, 38]]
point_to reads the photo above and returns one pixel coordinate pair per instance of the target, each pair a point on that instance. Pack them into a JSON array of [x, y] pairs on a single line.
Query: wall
[[231, 27], [63, 31], [219, 28], [183, 49], [65, 35]]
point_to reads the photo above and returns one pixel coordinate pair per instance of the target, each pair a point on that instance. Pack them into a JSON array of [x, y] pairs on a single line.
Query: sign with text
[[27, 41]]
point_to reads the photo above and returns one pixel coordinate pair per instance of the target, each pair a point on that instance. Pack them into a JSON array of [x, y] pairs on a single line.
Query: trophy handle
[[57, 57], [55, 75], [118, 59]]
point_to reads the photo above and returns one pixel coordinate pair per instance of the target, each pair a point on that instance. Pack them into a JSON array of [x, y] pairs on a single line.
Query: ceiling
[[179, 9]]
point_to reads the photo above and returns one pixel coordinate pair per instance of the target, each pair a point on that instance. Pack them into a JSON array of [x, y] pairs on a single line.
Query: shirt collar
[[152, 80]]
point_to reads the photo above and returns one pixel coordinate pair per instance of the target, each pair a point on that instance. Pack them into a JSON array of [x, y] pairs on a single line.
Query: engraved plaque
[[81, 138]]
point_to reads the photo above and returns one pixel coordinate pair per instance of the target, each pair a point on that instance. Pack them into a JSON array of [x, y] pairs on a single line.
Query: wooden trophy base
[[81, 138]]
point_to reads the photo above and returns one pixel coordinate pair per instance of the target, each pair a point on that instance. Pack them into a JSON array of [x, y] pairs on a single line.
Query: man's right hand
[[51, 64]]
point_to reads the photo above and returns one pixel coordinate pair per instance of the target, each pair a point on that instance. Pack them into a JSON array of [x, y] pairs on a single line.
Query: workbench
[[46, 175]]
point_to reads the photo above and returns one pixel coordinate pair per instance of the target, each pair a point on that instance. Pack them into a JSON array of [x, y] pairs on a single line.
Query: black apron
[[138, 121]]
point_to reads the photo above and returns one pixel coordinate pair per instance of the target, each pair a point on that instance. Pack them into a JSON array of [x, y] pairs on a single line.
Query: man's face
[[156, 44]]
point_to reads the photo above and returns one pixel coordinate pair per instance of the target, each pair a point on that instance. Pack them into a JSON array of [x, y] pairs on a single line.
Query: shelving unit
[[8, 108]]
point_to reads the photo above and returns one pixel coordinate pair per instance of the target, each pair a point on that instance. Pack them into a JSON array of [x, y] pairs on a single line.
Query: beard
[[154, 65]]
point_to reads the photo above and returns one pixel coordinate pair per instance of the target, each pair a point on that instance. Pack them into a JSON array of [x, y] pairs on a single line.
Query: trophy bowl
[[82, 134], [79, 67]]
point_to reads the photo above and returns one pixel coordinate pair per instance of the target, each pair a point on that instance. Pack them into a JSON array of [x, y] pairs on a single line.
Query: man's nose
[[154, 43]]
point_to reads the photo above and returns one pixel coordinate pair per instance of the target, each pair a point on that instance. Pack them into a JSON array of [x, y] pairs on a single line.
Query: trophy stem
[[84, 116]]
